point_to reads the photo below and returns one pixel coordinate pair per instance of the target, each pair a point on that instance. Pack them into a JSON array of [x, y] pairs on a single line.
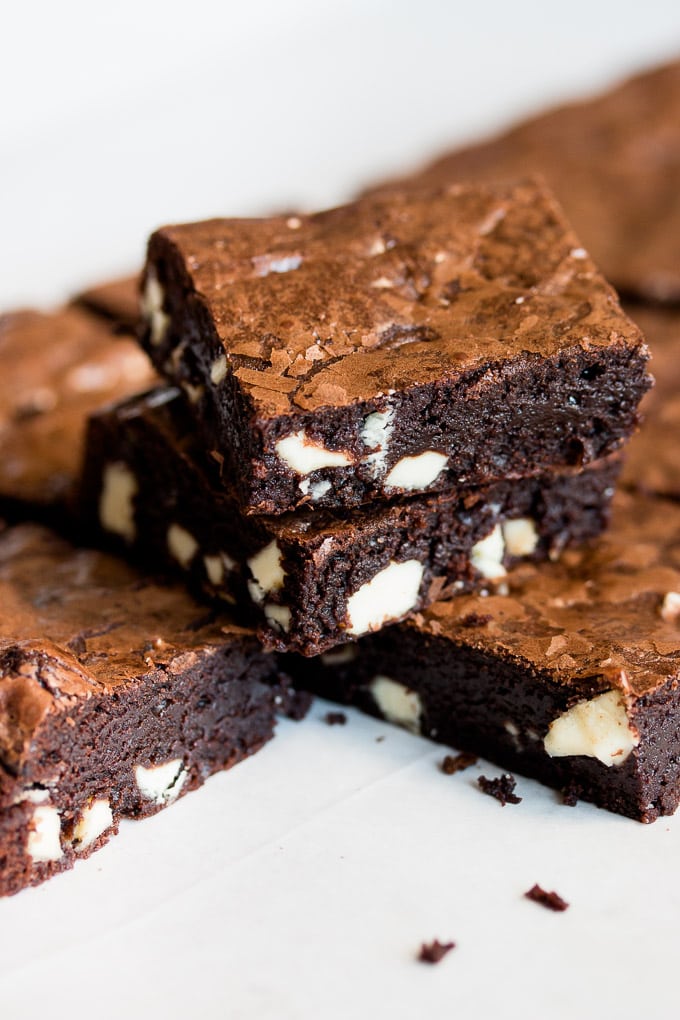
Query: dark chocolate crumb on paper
[[570, 796], [502, 789], [335, 718], [549, 900], [435, 951], [453, 763]]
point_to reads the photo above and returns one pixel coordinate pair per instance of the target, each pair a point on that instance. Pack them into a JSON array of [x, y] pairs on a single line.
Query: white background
[[301, 884]]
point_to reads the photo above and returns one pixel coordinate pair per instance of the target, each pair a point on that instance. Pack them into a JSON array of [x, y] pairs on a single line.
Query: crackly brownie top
[[56, 369], [117, 300], [608, 612], [614, 163], [77, 623], [312, 310]]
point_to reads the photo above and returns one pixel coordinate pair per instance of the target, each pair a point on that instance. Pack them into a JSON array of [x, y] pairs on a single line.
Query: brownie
[[56, 369], [652, 459], [573, 678], [116, 300], [313, 579], [117, 695], [400, 344], [614, 163]]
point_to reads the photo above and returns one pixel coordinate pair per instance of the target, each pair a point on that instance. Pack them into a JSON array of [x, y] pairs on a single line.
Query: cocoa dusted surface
[[613, 162], [468, 311], [117, 300], [101, 671], [325, 558], [56, 368], [597, 620]]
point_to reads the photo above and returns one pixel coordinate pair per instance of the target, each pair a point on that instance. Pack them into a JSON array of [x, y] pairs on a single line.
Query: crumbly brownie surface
[[312, 579], [400, 344], [55, 370], [652, 458], [614, 163], [117, 300], [116, 696], [573, 678]]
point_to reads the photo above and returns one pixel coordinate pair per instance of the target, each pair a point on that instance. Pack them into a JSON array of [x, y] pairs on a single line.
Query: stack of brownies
[[411, 408]]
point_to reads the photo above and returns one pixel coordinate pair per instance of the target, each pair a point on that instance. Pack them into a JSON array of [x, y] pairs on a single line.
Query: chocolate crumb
[[435, 951], [453, 763], [570, 796], [549, 900], [335, 718], [502, 788], [476, 619], [379, 739]]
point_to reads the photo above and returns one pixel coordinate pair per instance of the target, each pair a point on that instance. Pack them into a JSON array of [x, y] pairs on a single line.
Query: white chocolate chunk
[[416, 472], [316, 490], [670, 607], [96, 818], [304, 456], [266, 264], [44, 843], [181, 544], [597, 728], [521, 537], [397, 704], [279, 616], [375, 433], [218, 369], [194, 393], [486, 555], [268, 574], [161, 783], [392, 593], [34, 795], [116, 506], [152, 309], [339, 656], [215, 567]]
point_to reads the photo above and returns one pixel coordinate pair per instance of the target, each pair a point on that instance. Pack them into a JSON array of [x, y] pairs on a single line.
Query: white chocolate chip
[[279, 616], [521, 537], [215, 567], [95, 819], [578, 253], [181, 544], [266, 264], [152, 309], [396, 703], [375, 434], [597, 728], [416, 472], [161, 783], [268, 574], [116, 507], [315, 490], [670, 607], [194, 393], [383, 283], [218, 369], [339, 656], [486, 556], [44, 843], [304, 456], [392, 593], [293, 222], [34, 795]]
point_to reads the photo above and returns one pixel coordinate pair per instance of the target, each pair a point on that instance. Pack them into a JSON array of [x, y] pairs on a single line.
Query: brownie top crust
[[77, 623], [606, 615], [311, 310], [614, 163], [117, 300], [56, 369]]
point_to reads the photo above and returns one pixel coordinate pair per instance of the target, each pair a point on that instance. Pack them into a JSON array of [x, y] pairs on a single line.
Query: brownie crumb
[[476, 619], [379, 739], [435, 951], [570, 796], [335, 718], [502, 788], [549, 900], [457, 762]]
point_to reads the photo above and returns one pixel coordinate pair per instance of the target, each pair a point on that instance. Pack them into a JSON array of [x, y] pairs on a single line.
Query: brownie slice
[[117, 695], [401, 344], [56, 369], [613, 162], [116, 300], [312, 579], [573, 678]]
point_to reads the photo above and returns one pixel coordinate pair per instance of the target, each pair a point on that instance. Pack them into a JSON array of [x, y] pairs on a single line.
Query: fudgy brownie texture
[[312, 580], [573, 678], [613, 162], [117, 695], [401, 344], [56, 369], [652, 459], [116, 300]]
